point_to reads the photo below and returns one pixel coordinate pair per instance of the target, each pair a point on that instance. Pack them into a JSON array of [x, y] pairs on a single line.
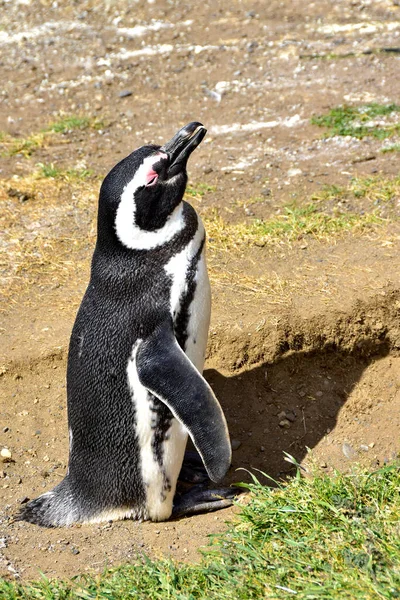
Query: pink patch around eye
[[151, 178]]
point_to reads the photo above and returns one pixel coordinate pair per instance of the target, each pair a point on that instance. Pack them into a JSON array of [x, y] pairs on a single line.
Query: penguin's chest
[[190, 298], [162, 438]]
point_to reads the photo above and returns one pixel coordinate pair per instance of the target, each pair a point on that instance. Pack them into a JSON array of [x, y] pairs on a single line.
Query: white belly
[[159, 500]]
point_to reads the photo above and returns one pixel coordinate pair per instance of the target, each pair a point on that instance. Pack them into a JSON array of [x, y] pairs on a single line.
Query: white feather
[[128, 232]]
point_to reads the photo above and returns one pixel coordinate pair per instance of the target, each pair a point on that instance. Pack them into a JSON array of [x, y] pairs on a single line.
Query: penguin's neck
[[135, 238]]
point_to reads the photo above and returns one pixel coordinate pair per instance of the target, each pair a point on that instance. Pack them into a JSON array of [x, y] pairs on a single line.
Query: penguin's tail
[[56, 508]]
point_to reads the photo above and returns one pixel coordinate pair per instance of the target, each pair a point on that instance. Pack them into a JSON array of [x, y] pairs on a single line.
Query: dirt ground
[[305, 336]]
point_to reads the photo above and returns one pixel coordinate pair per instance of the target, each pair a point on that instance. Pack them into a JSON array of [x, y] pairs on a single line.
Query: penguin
[[135, 389]]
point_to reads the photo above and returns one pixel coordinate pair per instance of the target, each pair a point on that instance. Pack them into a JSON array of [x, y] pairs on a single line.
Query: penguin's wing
[[165, 370]]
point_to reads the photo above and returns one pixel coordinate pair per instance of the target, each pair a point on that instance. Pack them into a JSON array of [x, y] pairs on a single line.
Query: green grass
[[52, 172], [70, 123], [294, 223], [358, 121], [198, 190], [314, 538], [28, 145], [392, 148], [374, 189]]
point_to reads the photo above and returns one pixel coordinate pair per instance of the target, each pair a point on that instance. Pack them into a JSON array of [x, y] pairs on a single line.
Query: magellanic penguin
[[134, 383]]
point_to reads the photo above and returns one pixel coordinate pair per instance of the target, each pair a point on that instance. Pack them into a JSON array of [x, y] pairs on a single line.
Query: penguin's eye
[[152, 181], [151, 178]]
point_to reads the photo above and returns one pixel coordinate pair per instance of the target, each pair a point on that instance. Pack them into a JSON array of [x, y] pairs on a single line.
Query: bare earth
[[309, 328]]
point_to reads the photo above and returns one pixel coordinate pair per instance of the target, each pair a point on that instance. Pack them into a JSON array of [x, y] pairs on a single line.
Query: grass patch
[[359, 121], [49, 233], [392, 148], [53, 172], [294, 223], [70, 123], [65, 124], [375, 189], [198, 190], [314, 538]]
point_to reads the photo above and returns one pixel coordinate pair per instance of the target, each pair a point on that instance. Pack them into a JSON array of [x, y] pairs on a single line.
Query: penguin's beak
[[181, 146]]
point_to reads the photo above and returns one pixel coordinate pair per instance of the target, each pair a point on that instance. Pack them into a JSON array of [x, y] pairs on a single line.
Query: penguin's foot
[[193, 470], [200, 499]]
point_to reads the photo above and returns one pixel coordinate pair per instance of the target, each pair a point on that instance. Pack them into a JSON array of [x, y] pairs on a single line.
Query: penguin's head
[[142, 194]]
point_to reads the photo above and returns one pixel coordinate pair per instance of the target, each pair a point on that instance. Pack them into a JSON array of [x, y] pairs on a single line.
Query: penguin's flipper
[[165, 370]]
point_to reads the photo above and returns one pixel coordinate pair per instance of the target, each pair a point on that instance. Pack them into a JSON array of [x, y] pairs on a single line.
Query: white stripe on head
[[129, 234]]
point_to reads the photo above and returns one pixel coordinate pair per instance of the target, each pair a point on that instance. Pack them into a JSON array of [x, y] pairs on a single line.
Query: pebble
[[284, 423], [235, 444], [294, 172], [24, 500], [262, 449], [291, 416], [282, 415], [348, 451], [323, 465], [74, 551], [5, 454], [364, 447], [2, 474], [125, 94]]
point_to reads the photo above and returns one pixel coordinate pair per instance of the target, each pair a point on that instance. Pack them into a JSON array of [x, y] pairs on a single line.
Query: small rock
[[6, 454], [262, 449], [235, 444], [323, 465], [364, 447], [125, 94], [2, 474], [282, 415], [251, 46], [46, 458], [3, 542], [207, 170], [371, 445], [291, 416], [6, 429], [24, 500], [319, 394], [284, 423], [348, 451], [74, 551], [266, 192], [294, 172]]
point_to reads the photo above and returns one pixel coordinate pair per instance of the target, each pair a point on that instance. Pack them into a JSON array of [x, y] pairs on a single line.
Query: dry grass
[[48, 222], [48, 227]]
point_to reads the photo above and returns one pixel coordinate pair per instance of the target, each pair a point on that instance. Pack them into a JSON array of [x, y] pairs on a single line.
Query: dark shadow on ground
[[310, 388]]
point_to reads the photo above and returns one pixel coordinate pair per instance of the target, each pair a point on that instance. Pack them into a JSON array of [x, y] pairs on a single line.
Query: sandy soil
[[307, 361]]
